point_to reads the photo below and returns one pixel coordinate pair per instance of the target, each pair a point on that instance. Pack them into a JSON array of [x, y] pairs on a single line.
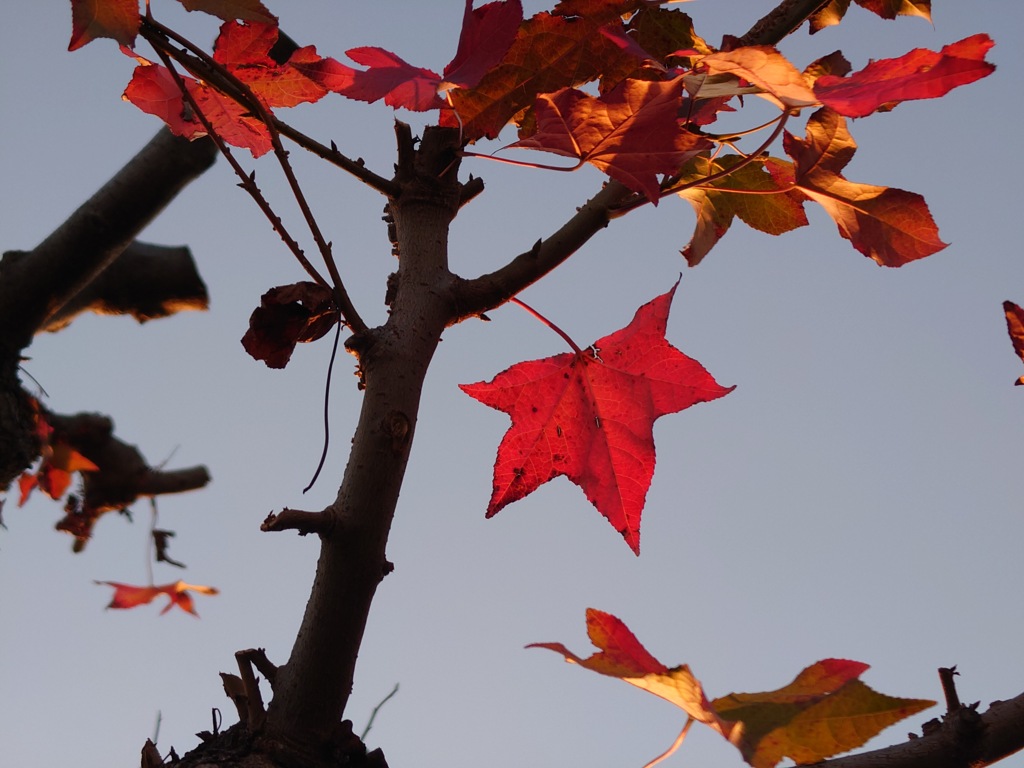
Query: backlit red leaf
[[393, 79], [287, 315], [244, 49], [630, 133], [229, 10], [153, 90], [131, 596], [589, 416], [487, 34], [888, 225], [117, 19], [1015, 327], [920, 74]]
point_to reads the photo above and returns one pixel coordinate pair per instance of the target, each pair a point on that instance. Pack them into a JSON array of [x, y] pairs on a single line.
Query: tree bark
[[311, 690]]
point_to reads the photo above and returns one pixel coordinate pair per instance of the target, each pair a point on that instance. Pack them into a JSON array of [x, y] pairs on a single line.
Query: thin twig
[[248, 182], [373, 714], [946, 675], [250, 101]]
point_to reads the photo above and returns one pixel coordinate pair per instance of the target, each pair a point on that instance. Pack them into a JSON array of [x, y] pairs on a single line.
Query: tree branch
[[491, 290], [784, 19], [146, 281], [34, 289], [964, 739]]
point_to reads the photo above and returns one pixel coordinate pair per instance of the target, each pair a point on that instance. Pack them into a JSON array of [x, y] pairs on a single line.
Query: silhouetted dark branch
[[146, 281], [35, 288]]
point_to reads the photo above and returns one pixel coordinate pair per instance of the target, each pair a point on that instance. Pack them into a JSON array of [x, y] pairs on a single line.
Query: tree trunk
[[311, 690]]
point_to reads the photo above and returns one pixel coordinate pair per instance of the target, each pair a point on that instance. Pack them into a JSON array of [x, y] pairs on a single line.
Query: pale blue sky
[[857, 496]]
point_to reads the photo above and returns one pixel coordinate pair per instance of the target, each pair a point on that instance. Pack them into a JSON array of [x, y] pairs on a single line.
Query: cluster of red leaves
[[824, 711], [658, 81]]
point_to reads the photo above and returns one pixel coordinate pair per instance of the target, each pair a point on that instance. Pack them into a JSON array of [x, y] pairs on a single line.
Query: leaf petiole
[[548, 323]]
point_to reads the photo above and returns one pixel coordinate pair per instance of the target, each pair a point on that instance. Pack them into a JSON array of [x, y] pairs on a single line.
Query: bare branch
[[146, 281], [783, 20], [35, 288]]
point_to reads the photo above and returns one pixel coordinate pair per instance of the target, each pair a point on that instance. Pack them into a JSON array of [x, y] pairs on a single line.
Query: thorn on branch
[[297, 520]]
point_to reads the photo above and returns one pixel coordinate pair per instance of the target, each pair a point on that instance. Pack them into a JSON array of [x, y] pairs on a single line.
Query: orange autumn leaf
[[131, 596], [890, 226], [117, 19], [1015, 327], [824, 711], [630, 132]]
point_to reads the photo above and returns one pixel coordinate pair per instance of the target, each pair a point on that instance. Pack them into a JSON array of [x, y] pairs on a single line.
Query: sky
[[857, 496]]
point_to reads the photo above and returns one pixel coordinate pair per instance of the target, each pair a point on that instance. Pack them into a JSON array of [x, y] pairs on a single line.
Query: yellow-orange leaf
[[765, 67], [824, 711]]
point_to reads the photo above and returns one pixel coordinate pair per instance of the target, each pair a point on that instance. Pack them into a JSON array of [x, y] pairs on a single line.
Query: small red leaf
[[589, 416], [487, 33], [920, 74], [153, 90], [117, 19], [131, 596], [287, 315]]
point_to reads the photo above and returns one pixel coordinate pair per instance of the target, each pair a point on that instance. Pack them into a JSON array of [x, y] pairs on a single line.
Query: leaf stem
[[548, 323], [522, 163], [675, 745], [673, 188]]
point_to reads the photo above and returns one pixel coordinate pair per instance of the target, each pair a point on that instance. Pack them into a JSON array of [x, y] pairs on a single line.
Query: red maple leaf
[[131, 596], [630, 133], [589, 416], [920, 74]]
